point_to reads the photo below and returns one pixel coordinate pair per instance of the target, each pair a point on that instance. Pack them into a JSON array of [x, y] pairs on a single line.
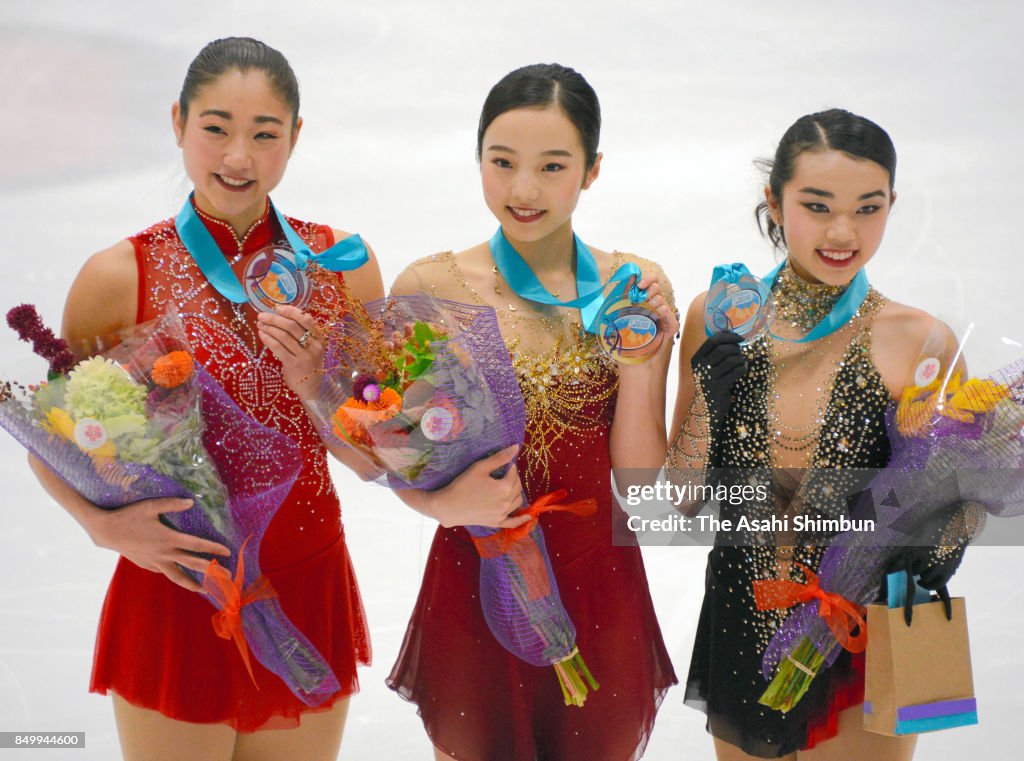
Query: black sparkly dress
[[810, 468]]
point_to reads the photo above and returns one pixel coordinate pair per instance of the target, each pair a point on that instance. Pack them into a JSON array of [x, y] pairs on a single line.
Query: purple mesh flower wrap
[[458, 405], [194, 443], [966, 446]]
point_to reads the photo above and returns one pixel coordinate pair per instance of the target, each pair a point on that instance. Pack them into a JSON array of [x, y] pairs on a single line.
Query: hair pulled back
[[835, 129], [242, 54], [540, 85]]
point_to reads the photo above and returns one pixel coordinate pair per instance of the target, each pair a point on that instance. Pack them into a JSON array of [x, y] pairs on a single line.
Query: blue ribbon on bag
[[589, 288], [843, 311], [345, 255], [896, 590]]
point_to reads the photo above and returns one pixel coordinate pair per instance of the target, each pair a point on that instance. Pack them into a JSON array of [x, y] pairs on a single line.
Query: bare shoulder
[[104, 297], [118, 261], [694, 333], [906, 330], [445, 274], [902, 335], [906, 324], [697, 304], [648, 268], [365, 282], [410, 280], [642, 262], [606, 262], [475, 259]]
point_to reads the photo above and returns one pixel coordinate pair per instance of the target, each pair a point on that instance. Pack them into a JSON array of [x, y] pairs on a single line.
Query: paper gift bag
[[918, 678]]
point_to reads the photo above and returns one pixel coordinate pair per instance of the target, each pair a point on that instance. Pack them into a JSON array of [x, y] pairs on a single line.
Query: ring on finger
[[304, 339]]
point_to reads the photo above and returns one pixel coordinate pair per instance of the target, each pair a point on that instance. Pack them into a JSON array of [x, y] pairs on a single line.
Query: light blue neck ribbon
[[348, 254], [589, 288], [843, 311]]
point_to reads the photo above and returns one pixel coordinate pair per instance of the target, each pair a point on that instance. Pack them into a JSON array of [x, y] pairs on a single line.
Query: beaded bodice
[[847, 424], [225, 341], [568, 384], [809, 421]]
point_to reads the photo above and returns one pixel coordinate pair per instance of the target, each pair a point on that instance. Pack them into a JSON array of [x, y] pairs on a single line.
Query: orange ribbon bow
[[525, 554], [232, 597], [840, 614]]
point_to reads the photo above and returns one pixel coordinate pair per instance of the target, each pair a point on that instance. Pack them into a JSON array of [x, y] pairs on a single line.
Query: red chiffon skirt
[[479, 702], [157, 649]]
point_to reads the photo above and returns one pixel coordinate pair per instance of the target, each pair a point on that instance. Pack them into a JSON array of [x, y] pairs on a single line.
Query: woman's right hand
[[476, 498], [136, 532]]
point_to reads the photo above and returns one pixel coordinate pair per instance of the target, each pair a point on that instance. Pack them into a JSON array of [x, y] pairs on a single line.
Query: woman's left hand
[[294, 338]]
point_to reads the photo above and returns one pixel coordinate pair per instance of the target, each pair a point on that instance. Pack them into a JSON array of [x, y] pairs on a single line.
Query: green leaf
[[422, 333], [418, 368]]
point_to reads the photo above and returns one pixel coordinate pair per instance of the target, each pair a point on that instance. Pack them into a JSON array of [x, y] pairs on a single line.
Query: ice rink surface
[[691, 93]]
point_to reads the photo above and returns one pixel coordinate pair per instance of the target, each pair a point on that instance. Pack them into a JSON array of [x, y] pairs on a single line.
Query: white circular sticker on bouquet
[[436, 423], [927, 372], [90, 434]]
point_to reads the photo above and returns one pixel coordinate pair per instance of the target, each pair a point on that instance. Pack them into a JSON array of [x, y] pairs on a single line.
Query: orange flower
[[348, 429], [388, 399], [354, 416], [172, 369]]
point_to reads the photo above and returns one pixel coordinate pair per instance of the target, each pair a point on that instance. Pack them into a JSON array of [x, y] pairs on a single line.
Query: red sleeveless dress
[[156, 646], [479, 702]]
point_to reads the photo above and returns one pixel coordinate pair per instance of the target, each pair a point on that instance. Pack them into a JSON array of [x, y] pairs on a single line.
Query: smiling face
[[833, 211], [235, 142], [533, 168]]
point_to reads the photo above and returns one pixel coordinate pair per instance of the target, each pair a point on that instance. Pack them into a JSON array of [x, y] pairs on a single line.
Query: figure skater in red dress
[[179, 691]]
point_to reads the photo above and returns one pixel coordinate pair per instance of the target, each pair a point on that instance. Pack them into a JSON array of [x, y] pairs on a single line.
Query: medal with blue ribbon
[[740, 302], [625, 327], [276, 275]]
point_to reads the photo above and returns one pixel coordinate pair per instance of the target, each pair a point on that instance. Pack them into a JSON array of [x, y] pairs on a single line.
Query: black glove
[[934, 566], [936, 548], [718, 364]]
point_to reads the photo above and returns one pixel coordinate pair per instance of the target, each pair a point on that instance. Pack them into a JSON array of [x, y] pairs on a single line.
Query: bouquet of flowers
[[423, 388], [954, 442], [141, 420]]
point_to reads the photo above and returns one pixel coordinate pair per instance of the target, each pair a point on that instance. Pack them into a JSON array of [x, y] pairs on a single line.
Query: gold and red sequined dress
[[156, 646], [810, 419], [479, 702]]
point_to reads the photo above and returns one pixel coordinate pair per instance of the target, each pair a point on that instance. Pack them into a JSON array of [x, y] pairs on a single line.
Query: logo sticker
[[90, 434], [927, 372], [436, 423]]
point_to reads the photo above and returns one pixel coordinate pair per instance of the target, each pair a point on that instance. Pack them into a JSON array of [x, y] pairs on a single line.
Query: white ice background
[[691, 92]]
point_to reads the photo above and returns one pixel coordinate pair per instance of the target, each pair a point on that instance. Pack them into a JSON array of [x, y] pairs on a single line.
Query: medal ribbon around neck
[[589, 288], [348, 254], [843, 311]]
